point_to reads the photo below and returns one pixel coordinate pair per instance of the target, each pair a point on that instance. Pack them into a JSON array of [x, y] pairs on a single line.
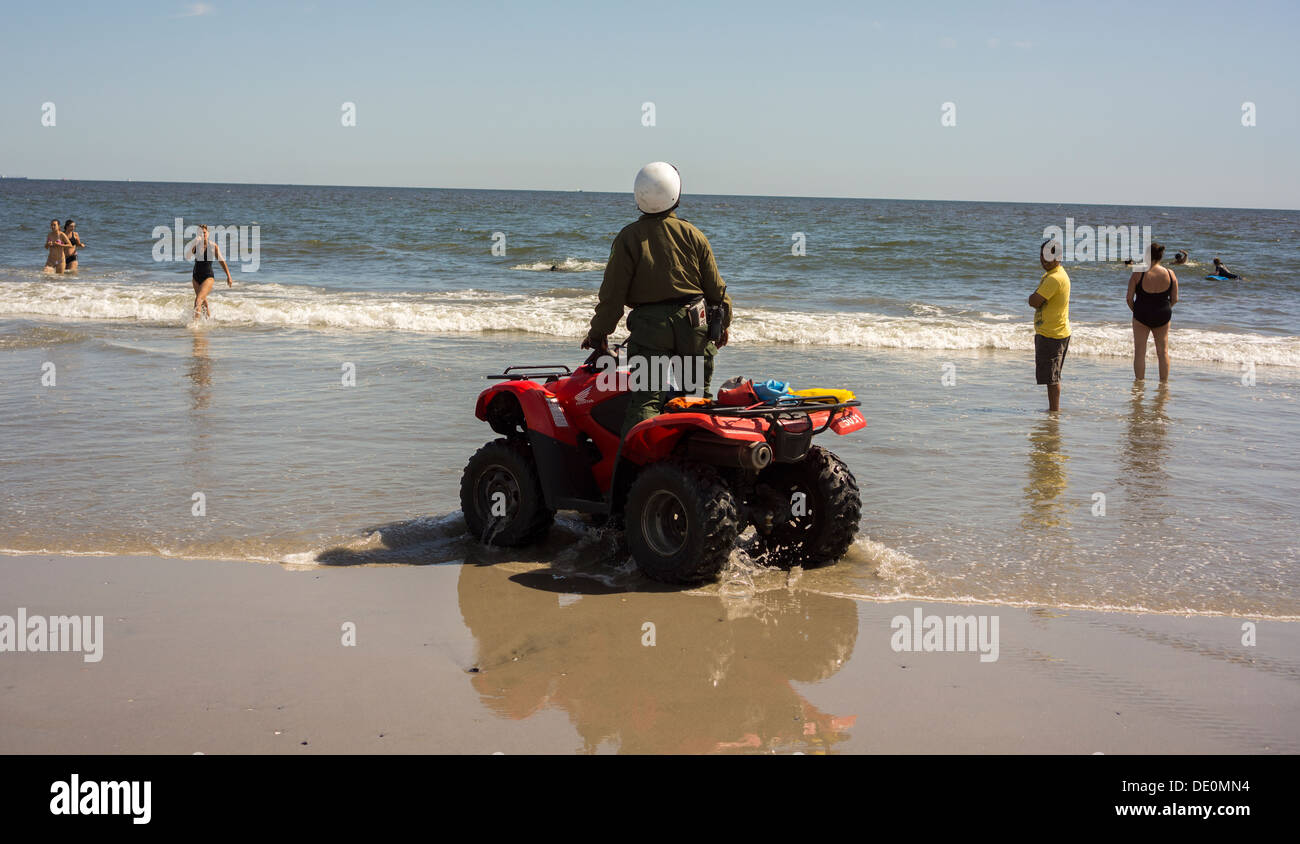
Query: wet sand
[[520, 657], [969, 492]]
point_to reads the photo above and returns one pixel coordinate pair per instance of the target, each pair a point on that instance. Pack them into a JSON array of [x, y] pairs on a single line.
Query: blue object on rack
[[774, 392]]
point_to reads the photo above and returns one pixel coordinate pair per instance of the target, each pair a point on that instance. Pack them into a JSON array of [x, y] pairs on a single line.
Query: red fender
[[845, 421], [656, 437], [542, 412]]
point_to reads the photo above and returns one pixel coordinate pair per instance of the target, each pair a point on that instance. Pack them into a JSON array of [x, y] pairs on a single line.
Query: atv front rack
[[548, 371]]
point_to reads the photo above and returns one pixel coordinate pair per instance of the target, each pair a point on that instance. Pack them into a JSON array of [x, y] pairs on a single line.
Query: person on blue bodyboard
[[1221, 270]]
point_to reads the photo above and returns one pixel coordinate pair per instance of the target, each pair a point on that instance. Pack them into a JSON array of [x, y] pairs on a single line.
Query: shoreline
[[228, 657], [306, 567]]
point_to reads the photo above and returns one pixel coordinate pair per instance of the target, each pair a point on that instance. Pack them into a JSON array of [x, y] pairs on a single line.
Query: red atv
[[685, 483]]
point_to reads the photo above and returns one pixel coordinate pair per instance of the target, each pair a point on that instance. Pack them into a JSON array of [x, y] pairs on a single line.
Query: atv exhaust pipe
[[747, 455]]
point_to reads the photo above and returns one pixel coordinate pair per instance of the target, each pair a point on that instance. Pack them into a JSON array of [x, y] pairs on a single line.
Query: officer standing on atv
[[661, 267]]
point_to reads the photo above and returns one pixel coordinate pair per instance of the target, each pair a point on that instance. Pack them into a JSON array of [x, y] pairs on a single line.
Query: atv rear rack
[[766, 409], [773, 410]]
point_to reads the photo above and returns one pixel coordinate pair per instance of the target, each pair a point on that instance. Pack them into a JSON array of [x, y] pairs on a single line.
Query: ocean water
[[970, 490]]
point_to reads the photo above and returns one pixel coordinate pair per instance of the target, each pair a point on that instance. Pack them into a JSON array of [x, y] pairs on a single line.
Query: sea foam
[[569, 316]]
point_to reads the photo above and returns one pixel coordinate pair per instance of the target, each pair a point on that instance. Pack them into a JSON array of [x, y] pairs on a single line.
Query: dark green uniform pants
[[659, 333]]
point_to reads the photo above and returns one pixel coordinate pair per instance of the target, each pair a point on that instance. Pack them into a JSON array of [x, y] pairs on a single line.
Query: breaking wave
[[568, 315]]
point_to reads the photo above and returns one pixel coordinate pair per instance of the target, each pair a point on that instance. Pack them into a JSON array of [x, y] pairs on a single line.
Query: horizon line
[[616, 193]]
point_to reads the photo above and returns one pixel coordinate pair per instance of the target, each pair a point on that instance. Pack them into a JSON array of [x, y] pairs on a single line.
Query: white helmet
[[658, 187]]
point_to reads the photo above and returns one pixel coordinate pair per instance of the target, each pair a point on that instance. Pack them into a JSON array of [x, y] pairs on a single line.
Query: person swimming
[[1180, 257], [57, 243], [1221, 269], [70, 229]]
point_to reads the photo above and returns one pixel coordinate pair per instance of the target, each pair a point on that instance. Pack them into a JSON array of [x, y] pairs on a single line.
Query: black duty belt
[[678, 302]]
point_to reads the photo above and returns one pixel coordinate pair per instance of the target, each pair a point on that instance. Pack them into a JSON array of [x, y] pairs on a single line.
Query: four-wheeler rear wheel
[[681, 521], [501, 495], [822, 509]]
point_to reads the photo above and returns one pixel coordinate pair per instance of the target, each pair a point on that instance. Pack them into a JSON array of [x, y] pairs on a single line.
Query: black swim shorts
[[1049, 357]]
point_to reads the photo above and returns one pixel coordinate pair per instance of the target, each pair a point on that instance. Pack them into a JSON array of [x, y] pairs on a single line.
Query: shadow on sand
[[576, 557]]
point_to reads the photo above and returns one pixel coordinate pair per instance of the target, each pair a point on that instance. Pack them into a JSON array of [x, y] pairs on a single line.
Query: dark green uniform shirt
[[658, 258]]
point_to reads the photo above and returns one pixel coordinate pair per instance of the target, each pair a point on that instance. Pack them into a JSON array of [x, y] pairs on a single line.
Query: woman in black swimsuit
[[205, 251], [70, 229], [1153, 307]]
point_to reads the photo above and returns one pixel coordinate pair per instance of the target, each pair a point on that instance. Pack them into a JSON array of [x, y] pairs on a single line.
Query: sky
[[1098, 102]]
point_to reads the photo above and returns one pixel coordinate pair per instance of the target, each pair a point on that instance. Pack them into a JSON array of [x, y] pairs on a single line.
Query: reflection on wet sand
[[1045, 507], [200, 373], [1143, 455], [563, 624], [718, 677]]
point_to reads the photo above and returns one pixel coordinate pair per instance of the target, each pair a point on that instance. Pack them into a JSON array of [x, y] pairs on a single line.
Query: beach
[[230, 495], [226, 657]]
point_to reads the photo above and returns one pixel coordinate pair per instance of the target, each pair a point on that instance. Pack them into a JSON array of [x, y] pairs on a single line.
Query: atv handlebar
[[596, 354]]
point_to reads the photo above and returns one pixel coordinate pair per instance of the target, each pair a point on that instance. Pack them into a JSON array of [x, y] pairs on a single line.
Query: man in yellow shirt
[[1051, 303]]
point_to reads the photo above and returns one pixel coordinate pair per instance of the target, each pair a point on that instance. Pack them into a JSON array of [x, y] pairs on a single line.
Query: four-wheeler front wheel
[[820, 510], [682, 521], [501, 495]]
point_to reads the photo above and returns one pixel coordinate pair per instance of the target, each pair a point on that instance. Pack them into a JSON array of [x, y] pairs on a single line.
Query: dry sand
[[232, 657]]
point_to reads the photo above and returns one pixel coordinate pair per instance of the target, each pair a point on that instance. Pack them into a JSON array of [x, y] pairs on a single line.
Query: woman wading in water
[[57, 243], [70, 231], [205, 252], [1152, 296]]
